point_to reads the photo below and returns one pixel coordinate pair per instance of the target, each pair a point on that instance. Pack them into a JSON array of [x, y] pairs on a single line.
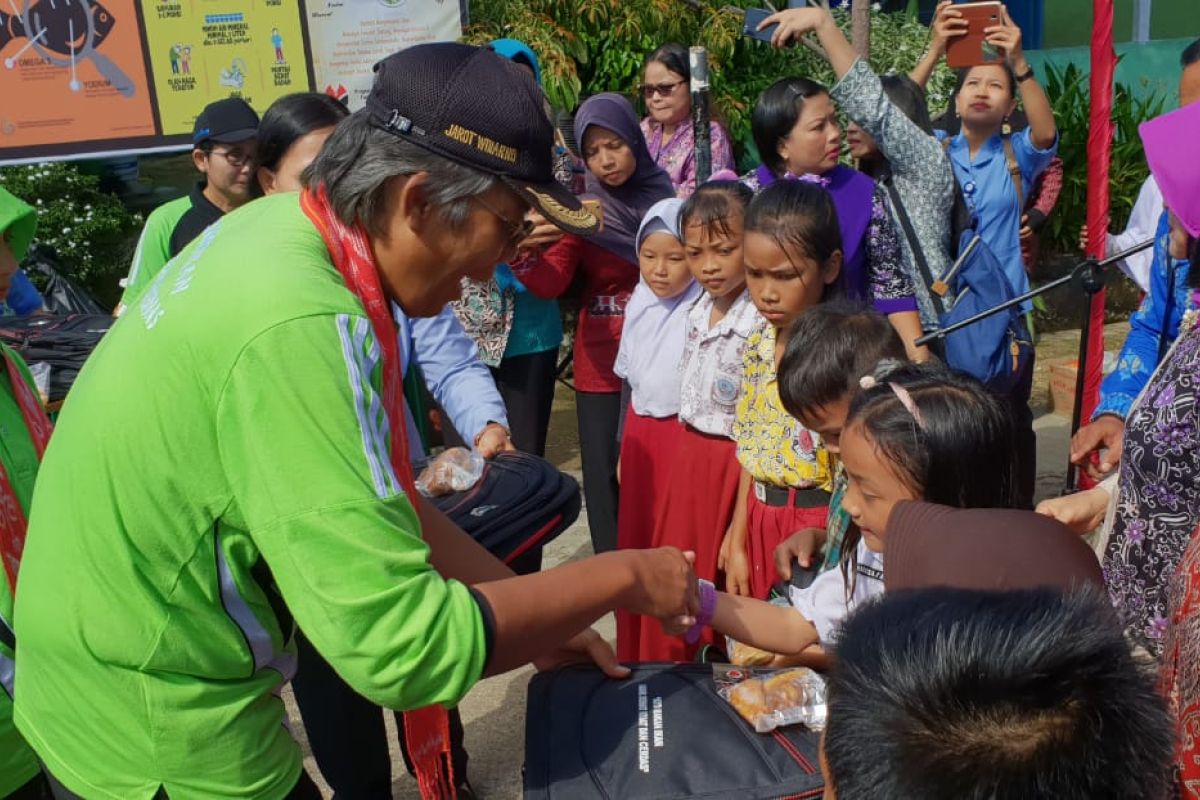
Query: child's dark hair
[[711, 206], [800, 217], [775, 114], [674, 57], [943, 693], [960, 452], [832, 346]]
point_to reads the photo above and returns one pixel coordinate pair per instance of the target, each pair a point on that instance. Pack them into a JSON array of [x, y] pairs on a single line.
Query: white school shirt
[[712, 364], [1143, 225], [825, 604]]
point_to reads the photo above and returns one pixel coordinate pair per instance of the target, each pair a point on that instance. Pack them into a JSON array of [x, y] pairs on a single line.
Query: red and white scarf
[[13, 523], [427, 730]]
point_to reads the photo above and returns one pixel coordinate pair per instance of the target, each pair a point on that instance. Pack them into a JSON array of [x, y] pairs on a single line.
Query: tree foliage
[[590, 46]]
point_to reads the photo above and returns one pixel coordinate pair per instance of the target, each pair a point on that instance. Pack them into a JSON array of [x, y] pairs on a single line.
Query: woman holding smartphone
[[996, 171]]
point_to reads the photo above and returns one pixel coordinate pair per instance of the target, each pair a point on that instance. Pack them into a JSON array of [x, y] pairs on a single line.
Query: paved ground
[[494, 712]]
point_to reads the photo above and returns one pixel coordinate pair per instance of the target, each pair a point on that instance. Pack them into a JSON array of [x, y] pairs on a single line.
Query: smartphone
[[596, 210], [971, 48], [754, 16]]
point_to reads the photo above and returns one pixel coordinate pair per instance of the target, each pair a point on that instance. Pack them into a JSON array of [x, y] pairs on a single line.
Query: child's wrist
[[708, 608]]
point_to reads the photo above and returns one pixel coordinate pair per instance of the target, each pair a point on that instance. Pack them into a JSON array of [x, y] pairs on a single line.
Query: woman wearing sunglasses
[[667, 126]]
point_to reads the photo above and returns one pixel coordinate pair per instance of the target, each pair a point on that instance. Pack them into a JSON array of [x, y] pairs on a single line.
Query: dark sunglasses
[[661, 89]]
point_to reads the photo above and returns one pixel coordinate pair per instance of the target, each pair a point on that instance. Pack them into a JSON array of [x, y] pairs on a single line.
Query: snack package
[[455, 470], [769, 699], [746, 655]]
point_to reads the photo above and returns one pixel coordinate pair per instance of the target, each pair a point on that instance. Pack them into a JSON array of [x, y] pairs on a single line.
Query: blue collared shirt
[[1139, 356], [988, 189], [457, 379]]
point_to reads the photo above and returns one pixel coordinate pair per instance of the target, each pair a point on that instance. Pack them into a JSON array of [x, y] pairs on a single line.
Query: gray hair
[[358, 161]]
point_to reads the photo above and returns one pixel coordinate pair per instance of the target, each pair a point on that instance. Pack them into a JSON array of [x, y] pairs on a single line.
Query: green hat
[[20, 221]]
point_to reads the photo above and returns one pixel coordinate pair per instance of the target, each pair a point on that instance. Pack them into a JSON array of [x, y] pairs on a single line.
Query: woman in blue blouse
[[981, 154]]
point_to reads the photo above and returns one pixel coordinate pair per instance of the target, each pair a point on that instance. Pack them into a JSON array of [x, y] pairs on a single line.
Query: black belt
[[777, 496]]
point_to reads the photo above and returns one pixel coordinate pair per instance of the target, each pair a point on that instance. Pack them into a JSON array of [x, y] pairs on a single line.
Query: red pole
[[1099, 149]]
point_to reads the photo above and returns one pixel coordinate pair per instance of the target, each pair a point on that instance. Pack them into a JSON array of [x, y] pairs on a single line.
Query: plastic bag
[[769, 699], [746, 655], [455, 470], [41, 379]]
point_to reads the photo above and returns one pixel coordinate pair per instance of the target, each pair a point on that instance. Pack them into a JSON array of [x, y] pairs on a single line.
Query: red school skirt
[[648, 452], [694, 515], [767, 526]]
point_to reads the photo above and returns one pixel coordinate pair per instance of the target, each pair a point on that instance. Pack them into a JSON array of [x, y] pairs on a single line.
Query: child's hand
[[737, 572], [800, 546], [733, 562], [1107, 433], [1082, 512]]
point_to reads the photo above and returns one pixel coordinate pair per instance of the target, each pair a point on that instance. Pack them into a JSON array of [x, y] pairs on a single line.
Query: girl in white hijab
[[648, 362]]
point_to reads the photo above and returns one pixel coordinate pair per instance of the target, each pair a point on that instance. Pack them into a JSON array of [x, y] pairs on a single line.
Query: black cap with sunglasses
[[474, 107], [225, 121]]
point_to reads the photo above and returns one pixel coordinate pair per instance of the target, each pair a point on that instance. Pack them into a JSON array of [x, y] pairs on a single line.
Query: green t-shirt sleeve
[[303, 440], [153, 251]]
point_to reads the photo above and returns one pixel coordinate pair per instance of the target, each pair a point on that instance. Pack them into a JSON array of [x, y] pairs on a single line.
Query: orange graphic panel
[[71, 71]]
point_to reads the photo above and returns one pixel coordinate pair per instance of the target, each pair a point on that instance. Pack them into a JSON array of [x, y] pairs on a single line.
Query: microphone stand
[[698, 66], [1088, 277]]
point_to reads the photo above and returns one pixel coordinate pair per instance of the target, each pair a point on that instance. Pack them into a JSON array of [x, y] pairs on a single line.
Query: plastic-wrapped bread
[[769, 699]]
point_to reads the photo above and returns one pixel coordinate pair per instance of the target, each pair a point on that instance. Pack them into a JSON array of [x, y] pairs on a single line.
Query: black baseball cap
[[474, 107], [226, 121]]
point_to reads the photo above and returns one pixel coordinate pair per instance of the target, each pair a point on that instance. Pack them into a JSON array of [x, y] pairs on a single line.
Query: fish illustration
[[70, 28], [60, 26]]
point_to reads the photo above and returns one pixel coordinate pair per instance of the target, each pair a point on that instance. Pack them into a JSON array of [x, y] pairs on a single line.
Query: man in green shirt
[[218, 440], [20, 775], [224, 139]]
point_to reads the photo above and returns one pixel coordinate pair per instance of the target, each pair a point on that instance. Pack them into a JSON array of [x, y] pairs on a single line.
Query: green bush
[[1069, 94], [590, 46], [89, 229]]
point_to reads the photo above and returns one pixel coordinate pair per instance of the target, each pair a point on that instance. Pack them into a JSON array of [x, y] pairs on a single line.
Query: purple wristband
[[708, 605]]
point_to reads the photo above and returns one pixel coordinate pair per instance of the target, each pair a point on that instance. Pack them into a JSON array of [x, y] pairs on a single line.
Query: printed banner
[[82, 78], [204, 50], [349, 36], [71, 75]]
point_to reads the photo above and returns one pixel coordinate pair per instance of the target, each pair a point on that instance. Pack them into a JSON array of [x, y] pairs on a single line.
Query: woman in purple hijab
[[798, 137], [623, 178]]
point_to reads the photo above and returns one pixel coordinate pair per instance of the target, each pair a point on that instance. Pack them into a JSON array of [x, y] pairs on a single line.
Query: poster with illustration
[[92, 78], [71, 71], [202, 50], [349, 36]]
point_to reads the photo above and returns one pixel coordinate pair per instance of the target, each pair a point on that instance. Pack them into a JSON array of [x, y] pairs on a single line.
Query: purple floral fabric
[[1158, 504], [677, 155]]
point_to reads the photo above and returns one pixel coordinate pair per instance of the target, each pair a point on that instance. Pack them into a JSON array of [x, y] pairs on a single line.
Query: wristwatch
[[1026, 75]]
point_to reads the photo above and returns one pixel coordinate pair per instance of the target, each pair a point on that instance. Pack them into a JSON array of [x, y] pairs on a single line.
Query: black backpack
[[64, 343], [520, 503], [662, 733]]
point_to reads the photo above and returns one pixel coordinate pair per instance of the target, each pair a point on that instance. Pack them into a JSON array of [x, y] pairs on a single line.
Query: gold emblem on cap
[[581, 219]]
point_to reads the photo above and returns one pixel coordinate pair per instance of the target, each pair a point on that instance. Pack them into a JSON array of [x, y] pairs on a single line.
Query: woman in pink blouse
[[668, 127]]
